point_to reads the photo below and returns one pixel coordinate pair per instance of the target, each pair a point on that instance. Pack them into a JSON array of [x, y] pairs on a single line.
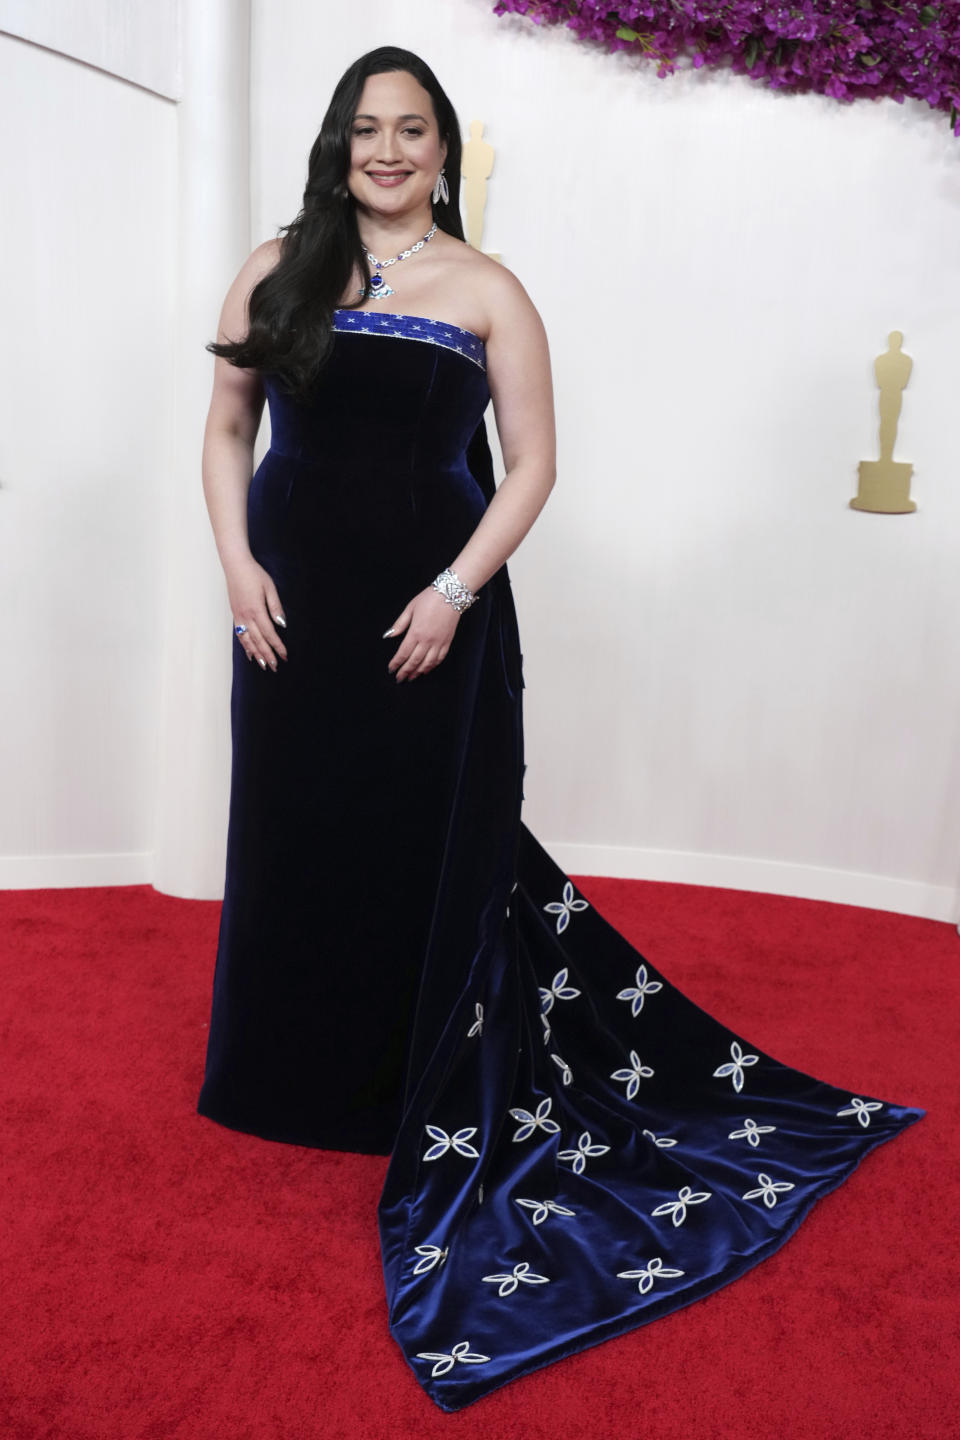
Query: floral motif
[[653, 1270], [457, 1141], [735, 1066], [768, 1189], [520, 1275], [559, 990], [664, 1141], [542, 1208], [564, 908], [432, 1256], [566, 1074], [751, 1132], [861, 1108], [678, 1208], [539, 1120], [545, 1022], [633, 1075], [477, 1027], [636, 994], [460, 1353], [585, 1148]]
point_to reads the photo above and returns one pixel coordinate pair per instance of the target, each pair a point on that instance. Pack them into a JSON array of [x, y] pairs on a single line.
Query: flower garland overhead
[[844, 48]]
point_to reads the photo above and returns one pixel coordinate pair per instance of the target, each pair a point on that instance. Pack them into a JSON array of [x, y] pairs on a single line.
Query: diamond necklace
[[379, 289]]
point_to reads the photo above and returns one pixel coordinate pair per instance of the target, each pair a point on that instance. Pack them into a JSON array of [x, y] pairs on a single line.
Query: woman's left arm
[[521, 388], [518, 373]]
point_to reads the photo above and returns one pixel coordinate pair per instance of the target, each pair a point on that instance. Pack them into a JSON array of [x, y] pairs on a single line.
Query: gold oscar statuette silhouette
[[885, 483], [475, 168]]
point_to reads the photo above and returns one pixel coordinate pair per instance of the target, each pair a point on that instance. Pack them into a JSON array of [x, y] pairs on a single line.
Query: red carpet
[[167, 1279]]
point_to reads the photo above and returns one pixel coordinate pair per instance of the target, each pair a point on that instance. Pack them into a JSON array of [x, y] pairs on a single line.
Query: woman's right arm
[[231, 430]]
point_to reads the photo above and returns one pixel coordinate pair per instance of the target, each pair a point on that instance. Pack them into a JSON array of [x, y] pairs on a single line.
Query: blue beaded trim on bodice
[[413, 327]]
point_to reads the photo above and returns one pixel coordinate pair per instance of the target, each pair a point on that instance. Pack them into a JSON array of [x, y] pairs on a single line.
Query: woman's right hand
[[256, 604]]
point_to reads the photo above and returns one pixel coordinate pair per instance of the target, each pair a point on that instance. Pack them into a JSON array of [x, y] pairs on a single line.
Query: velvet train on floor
[[595, 1152]]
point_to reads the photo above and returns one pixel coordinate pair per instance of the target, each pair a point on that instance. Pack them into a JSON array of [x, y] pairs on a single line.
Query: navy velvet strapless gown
[[576, 1148]]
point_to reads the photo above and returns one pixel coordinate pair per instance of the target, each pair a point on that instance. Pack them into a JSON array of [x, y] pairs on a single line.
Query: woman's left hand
[[430, 623]]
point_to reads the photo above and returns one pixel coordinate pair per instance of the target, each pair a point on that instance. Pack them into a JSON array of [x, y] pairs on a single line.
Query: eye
[[412, 130], [365, 130]]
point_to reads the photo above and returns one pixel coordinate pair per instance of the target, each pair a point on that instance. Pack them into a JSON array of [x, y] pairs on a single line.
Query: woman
[[575, 1147]]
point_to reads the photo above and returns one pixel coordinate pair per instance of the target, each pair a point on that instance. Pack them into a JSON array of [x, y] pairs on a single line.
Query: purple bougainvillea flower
[[903, 49]]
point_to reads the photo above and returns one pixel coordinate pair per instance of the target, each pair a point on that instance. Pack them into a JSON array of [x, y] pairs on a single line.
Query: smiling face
[[395, 146]]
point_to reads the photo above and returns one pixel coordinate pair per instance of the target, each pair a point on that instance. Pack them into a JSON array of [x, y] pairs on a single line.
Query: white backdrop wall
[[731, 677], [123, 214], [88, 181]]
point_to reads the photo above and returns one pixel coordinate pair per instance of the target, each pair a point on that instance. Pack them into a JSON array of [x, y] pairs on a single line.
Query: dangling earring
[[441, 191]]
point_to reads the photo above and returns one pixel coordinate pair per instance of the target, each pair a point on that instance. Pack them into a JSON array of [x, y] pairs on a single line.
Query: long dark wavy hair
[[291, 309]]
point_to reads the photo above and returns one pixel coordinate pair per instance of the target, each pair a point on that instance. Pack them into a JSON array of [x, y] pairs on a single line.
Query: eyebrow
[[399, 117]]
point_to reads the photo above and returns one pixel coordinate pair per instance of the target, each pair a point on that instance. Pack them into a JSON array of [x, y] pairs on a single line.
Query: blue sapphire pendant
[[379, 289]]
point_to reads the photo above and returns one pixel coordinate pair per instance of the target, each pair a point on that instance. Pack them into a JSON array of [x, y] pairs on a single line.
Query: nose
[[389, 149]]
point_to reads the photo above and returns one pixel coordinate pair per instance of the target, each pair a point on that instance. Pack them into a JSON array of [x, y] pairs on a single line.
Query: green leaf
[[750, 51], [870, 60], [625, 33], [927, 15]]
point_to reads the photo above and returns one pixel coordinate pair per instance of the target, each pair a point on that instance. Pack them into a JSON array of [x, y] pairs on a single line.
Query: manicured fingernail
[[386, 633], [280, 621], [263, 663]]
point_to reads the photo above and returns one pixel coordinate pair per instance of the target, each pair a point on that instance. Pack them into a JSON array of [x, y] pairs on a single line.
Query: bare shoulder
[[258, 263], [234, 318], [512, 318], [500, 304], [494, 285], [266, 255]]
